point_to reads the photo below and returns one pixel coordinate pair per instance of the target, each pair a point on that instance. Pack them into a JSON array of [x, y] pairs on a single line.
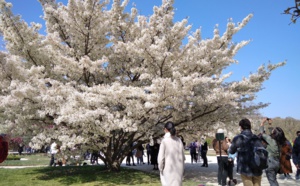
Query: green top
[[272, 146]]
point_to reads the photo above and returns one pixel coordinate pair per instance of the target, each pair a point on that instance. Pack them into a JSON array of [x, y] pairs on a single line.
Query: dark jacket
[[238, 142], [296, 151], [204, 147]]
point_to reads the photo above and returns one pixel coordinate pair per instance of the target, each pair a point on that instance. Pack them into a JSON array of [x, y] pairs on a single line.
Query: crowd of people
[[168, 156], [271, 154]]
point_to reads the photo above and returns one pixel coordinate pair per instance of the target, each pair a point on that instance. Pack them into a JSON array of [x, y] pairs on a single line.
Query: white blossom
[[101, 75]]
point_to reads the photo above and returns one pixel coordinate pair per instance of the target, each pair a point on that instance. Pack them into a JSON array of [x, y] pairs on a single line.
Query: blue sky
[[273, 40]]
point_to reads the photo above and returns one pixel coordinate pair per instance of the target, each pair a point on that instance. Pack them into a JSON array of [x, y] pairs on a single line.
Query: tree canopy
[[102, 78]]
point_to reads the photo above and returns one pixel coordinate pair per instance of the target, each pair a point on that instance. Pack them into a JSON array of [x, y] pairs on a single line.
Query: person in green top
[[274, 142]]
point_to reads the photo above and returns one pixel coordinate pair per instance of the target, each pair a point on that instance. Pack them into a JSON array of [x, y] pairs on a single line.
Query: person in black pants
[[154, 154], [231, 158], [193, 151], [148, 153], [220, 146], [204, 154]]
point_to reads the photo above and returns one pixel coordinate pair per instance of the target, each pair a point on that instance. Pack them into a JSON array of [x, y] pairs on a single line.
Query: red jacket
[[3, 150]]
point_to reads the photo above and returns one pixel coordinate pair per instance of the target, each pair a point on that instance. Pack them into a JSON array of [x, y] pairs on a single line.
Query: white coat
[[171, 160]]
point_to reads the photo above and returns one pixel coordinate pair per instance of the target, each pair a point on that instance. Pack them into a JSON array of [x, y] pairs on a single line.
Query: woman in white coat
[[171, 157]]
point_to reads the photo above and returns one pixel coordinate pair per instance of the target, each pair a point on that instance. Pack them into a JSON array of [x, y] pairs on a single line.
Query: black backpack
[[253, 153]]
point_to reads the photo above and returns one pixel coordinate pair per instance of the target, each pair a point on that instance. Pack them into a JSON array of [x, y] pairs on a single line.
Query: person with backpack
[[275, 141], [244, 144]]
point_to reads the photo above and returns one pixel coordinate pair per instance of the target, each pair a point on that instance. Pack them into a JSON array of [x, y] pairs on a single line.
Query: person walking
[[154, 154], [139, 155], [231, 158], [204, 149], [94, 157], [128, 158], [53, 152], [171, 157], [148, 153], [285, 159], [275, 141], [193, 151], [296, 155], [221, 147], [249, 177], [199, 151]]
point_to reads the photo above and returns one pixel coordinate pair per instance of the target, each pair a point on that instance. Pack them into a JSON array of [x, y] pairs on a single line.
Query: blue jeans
[[223, 169], [271, 171]]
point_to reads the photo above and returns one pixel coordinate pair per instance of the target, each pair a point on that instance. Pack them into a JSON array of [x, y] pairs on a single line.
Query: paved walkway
[[208, 175]]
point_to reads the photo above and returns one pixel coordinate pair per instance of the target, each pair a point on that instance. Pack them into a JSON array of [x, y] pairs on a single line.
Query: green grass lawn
[[28, 160], [72, 175], [75, 175]]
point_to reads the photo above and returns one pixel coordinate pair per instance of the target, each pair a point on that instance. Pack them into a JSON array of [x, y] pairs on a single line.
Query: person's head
[[298, 133], [278, 135], [227, 139], [170, 127], [245, 124]]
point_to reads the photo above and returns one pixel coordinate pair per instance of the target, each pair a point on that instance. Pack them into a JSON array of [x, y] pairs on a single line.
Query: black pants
[[193, 157], [222, 170], [52, 160], [148, 156], [204, 157], [128, 158], [230, 169]]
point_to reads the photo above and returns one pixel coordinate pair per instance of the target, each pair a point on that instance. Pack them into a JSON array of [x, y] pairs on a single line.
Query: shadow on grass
[[98, 175]]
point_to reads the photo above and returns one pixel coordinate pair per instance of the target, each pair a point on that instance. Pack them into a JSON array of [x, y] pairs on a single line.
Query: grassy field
[[75, 175], [27, 160], [72, 175]]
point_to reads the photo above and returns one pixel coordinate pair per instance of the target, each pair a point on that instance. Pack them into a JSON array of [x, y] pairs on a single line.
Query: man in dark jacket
[[204, 149], [248, 176], [296, 155]]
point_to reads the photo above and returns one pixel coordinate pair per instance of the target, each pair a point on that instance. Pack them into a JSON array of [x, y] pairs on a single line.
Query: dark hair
[[245, 124], [278, 136], [298, 132], [171, 128]]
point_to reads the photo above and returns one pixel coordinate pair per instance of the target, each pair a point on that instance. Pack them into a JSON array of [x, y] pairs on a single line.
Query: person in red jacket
[[3, 147]]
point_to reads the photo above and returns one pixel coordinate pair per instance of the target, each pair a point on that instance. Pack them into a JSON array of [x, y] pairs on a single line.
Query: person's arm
[[161, 157], [225, 145], [183, 152], [236, 141], [262, 126]]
